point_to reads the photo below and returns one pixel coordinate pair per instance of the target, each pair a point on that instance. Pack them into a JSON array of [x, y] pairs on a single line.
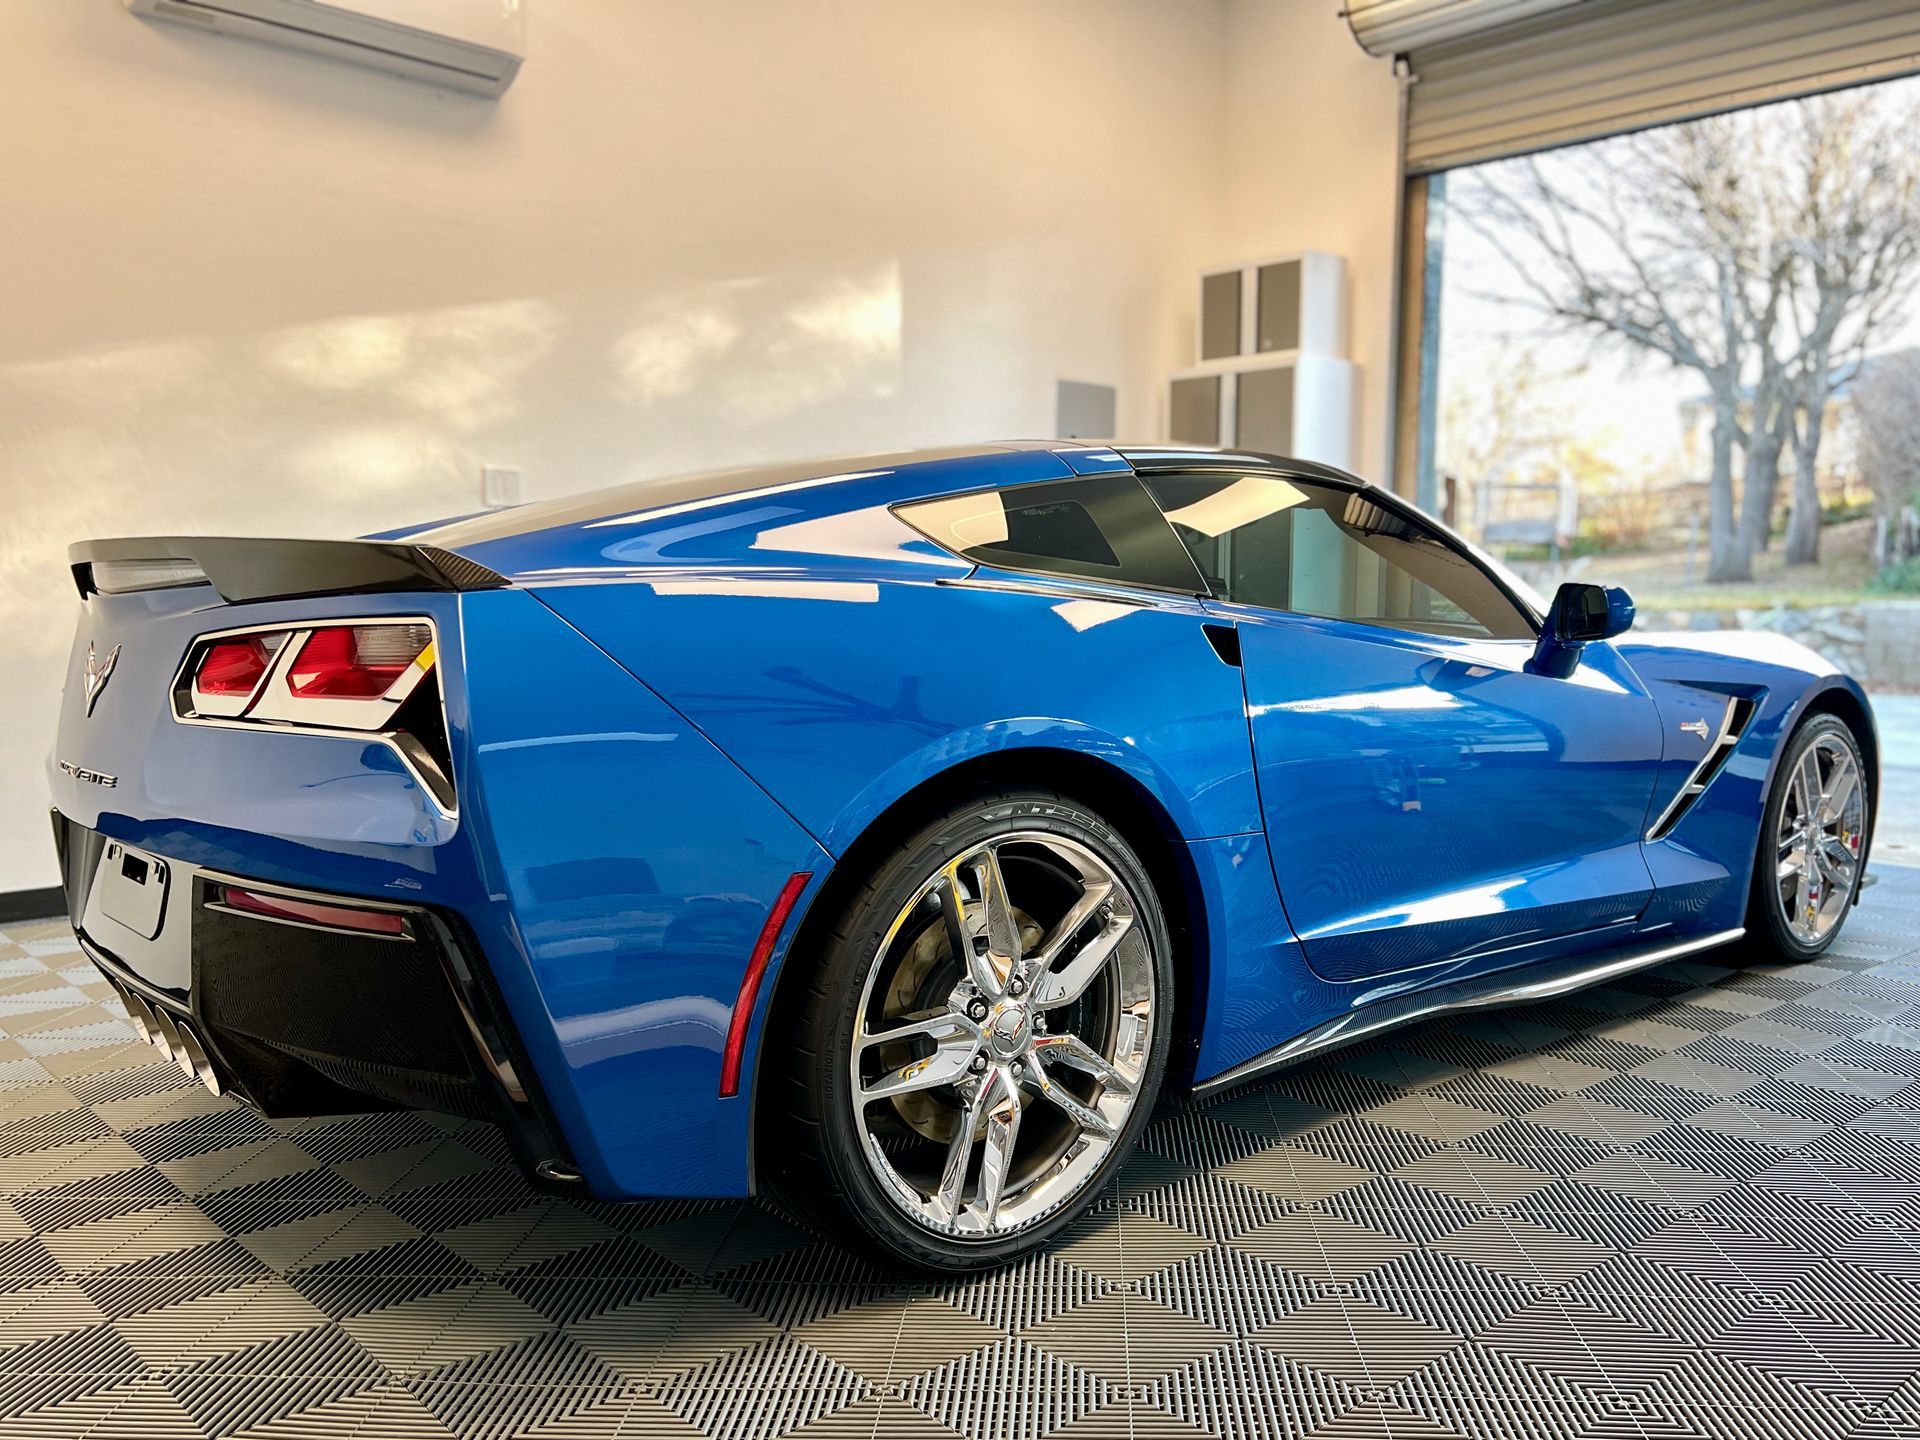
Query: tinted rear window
[[1097, 527]]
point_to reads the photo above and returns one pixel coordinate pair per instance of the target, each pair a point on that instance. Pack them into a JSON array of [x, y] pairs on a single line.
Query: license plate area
[[131, 887]]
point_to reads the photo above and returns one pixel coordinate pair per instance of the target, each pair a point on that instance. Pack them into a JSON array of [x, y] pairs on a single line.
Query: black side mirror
[[1579, 614]]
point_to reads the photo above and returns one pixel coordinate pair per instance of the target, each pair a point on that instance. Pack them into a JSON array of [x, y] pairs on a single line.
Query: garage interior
[[257, 291]]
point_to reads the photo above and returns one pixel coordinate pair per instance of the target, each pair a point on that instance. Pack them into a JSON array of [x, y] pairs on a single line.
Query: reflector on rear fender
[[298, 910]]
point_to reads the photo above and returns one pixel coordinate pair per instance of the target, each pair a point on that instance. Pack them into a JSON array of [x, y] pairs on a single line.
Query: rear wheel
[[1812, 837], [984, 1036]]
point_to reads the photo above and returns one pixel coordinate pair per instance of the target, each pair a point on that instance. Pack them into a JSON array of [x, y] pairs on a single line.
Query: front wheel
[[984, 1036], [1813, 836]]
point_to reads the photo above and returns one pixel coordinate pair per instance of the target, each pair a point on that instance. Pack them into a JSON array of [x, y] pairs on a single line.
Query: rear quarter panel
[[840, 695], [628, 867], [613, 865]]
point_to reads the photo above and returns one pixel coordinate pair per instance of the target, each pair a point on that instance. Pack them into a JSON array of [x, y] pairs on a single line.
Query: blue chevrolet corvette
[[889, 833]]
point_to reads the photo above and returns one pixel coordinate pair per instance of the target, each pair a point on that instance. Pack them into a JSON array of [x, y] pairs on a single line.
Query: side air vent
[[1225, 640], [1732, 724]]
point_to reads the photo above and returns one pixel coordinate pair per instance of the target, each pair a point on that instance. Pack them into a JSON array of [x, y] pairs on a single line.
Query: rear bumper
[[302, 1018], [603, 875]]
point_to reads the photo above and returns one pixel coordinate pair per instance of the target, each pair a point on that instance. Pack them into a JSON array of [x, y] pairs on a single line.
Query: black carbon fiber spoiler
[[242, 569]]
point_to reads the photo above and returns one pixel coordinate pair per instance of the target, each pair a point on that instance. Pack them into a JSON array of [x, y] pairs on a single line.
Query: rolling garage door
[[1511, 76]]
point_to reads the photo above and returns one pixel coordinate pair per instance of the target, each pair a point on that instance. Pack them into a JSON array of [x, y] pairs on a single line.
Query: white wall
[[249, 291], [1312, 160], [252, 291]]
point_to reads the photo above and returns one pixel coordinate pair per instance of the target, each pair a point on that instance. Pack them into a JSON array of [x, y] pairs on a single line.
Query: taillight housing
[[233, 669], [358, 662], [375, 677]]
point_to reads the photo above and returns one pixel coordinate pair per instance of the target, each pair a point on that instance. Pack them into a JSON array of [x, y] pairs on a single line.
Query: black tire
[[1773, 939], [807, 1128]]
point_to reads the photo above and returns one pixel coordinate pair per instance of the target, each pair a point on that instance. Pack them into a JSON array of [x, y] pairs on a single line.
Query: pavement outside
[[1897, 832]]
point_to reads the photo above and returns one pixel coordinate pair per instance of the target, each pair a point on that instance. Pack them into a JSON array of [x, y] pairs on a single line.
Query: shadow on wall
[[341, 426], [350, 425]]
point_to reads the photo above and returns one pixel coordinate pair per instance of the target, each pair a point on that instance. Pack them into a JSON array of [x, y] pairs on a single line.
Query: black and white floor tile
[[1687, 1204]]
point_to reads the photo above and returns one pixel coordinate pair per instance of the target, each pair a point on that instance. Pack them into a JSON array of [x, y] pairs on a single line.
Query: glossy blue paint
[[1430, 802], [629, 867], [282, 804], [841, 695], [1253, 983], [683, 701], [789, 521], [1620, 612], [613, 865], [1568, 627], [1703, 869]]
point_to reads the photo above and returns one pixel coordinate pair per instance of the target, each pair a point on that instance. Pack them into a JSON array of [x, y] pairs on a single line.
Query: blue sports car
[[890, 833]]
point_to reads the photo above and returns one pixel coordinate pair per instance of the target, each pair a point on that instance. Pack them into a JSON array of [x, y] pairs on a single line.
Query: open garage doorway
[[1686, 359]]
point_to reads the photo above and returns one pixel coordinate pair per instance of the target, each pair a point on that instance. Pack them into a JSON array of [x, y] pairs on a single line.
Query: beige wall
[[250, 291], [1312, 164]]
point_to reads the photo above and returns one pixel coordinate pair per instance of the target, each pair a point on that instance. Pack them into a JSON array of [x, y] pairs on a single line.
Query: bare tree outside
[[1856, 225], [1763, 253], [1887, 404]]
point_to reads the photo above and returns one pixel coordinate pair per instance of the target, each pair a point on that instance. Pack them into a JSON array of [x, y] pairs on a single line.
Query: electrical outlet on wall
[[499, 486]]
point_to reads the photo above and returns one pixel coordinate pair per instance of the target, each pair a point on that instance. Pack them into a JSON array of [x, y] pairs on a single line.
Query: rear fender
[[840, 697], [629, 867], [1006, 738]]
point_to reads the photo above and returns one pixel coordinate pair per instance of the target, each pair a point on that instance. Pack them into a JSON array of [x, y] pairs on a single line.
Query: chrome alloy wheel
[[1817, 844], [1031, 1051]]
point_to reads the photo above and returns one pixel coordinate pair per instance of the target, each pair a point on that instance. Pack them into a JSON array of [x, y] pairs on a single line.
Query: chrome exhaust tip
[[183, 1048], [167, 1035], [137, 1014], [194, 1060], [171, 1036], [147, 1020]]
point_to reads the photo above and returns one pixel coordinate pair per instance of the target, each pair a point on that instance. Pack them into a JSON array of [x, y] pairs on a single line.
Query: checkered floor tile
[[1687, 1204]]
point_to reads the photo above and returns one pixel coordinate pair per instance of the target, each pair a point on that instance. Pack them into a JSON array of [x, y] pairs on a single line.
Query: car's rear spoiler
[[243, 569]]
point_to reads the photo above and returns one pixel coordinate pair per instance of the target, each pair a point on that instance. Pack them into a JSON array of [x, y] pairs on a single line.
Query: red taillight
[[356, 662], [750, 982], [232, 667], [371, 677], [313, 912]]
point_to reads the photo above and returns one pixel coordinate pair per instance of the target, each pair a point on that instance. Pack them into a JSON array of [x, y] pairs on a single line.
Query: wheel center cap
[[1010, 1031]]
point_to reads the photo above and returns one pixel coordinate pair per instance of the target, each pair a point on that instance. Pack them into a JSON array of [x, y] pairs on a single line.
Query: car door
[[1429, 802]]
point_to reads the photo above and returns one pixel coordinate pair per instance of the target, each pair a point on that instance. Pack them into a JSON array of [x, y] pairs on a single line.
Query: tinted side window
[[1098, 527], [1290, 544]]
